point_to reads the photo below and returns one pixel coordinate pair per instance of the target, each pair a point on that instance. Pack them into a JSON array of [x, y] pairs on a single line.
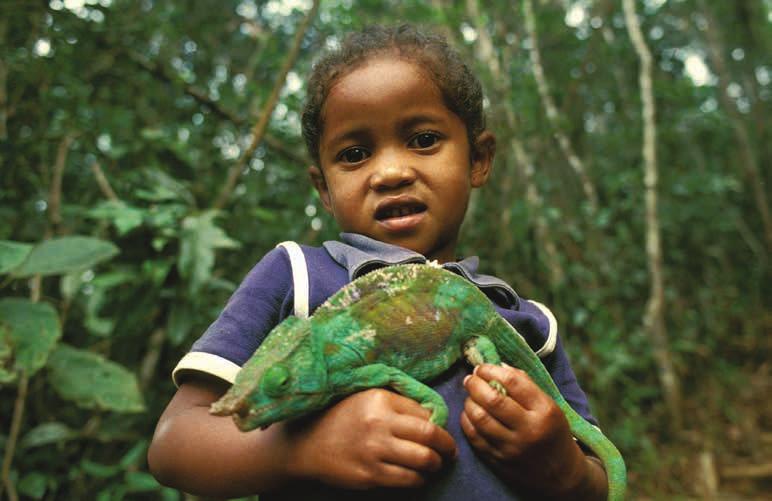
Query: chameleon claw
[[498, 387]]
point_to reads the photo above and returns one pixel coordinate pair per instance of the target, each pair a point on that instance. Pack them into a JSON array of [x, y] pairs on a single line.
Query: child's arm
[[377, 438], [526, 437]]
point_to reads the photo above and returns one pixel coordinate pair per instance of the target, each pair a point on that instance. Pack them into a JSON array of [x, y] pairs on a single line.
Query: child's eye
[[423, 140], [353, 155]]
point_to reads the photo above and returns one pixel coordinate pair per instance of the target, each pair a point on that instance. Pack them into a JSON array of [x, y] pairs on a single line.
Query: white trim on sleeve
[[552, 336], [207, 363], [299, 277]]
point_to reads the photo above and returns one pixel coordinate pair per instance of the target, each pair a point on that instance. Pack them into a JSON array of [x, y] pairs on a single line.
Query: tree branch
[[103, 183], [55, 190], [552, 111], [18, 409], [763, 470], [157, 70], [13, 435], [258, 131], [152, 356], [54, 221]]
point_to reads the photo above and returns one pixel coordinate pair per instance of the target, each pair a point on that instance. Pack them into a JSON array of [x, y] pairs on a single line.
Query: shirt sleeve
[[263, 299]]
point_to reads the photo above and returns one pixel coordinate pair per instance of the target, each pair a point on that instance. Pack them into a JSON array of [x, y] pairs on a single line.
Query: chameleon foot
[[439, 412], [498, 387]]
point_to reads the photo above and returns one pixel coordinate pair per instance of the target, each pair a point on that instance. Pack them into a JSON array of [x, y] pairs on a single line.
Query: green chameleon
[[396, 326]]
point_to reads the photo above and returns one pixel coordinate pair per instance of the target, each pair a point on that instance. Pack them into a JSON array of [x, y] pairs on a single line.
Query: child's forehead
[[384, 81], [382, 71]]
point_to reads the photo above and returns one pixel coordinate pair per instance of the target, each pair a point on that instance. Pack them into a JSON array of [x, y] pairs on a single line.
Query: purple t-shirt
[[266, 297]]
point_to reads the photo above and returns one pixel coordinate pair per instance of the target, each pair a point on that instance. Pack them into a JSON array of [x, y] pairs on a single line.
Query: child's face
[[395, 161]]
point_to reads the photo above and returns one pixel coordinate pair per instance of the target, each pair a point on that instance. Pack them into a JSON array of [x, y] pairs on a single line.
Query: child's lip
[[402, 223], [389, 205], [400, 213]]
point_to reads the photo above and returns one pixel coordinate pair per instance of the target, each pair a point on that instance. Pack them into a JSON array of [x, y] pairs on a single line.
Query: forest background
[[150, 154]]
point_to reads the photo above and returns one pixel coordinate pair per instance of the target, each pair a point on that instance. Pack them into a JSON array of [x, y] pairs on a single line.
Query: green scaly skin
[[397, 326]]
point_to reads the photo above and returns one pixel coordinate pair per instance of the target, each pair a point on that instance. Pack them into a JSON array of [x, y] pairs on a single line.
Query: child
[[394, 123]]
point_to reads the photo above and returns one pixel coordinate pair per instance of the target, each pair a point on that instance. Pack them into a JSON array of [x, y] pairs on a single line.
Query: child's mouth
[[400, 216]]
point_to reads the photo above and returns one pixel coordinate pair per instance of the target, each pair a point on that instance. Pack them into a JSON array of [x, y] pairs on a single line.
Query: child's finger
[[519, 385], [394, 475], [474, 437], [420, 431], [412, 455], [485, 424]]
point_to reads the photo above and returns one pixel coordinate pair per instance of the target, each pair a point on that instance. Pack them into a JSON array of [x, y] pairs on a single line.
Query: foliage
[[119, 120]]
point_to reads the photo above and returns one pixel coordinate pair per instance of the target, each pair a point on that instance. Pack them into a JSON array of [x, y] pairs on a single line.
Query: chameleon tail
[[515, 351], [602, 447]]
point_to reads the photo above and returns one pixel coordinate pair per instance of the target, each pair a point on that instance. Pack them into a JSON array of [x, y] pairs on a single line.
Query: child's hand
[[374, 438], [524, 435]]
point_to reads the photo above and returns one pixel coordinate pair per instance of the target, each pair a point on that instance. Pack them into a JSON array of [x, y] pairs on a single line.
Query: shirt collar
[[360, 254]]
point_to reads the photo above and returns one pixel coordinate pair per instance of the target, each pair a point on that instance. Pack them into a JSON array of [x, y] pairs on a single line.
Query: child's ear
[[482, 158], [317, 178]]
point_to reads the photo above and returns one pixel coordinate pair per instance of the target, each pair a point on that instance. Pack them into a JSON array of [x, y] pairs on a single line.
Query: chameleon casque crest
[[396, 327]]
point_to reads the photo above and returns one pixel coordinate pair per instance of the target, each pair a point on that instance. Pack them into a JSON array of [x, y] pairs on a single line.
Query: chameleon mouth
[[249, 418], [246, 420]]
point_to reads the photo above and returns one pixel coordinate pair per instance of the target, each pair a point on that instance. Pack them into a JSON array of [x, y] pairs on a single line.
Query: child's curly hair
[[460, 88]]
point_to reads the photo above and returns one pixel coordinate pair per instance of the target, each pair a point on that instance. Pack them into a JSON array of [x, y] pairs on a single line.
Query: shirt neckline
[[360, 254]]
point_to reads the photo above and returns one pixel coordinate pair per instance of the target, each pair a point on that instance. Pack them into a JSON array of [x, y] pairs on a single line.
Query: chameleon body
[[398, 327]]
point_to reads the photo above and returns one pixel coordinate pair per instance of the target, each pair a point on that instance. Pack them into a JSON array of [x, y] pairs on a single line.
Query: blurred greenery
[[119, 120]]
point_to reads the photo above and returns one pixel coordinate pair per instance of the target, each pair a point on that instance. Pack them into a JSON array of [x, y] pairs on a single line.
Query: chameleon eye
[[276, 380]]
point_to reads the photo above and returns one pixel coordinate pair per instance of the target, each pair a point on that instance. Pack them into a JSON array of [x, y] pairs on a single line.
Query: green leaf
[[69, 284], [140, 481], [6, 377], [156, 270], [100, 293], [6, 360], [200, 237], [179, 323], [33, 485], [12, 254], [92, 381], [169, 494], [264, 215], [161, 187], [47, 433], [99, 470], [61, 255], [134, 455], [124, 217], [30, 329], [96, 325]]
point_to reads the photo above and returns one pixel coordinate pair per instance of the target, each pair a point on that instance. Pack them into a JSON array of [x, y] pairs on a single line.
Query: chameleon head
[[284, 378]]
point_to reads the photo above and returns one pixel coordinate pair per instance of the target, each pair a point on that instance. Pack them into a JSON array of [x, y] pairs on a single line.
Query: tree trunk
[[552, 111], [654, 318], [748, 159], [522, 160], [3, 81]]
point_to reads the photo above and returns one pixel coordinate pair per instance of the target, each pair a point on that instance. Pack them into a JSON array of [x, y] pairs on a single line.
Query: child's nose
[[392, 171]]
